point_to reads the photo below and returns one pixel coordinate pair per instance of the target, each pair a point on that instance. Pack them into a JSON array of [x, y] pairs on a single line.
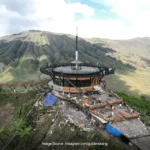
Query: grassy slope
[[133, 82], [129, 52]]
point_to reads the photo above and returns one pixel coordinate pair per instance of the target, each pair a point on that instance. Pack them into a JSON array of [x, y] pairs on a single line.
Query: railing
[[69, 64], [35, 85]]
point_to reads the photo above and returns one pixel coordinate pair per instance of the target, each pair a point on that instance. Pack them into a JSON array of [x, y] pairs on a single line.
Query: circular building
[[75, 77]]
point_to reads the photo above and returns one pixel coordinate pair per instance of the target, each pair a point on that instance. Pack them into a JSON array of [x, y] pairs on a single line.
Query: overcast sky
[[114, 19]]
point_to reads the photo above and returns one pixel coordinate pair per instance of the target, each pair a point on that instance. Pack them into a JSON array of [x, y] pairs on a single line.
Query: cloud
[[135, 15], [102, 28], [14, 20], [60, 16], [52, 15], [20, 6], [129, 9]]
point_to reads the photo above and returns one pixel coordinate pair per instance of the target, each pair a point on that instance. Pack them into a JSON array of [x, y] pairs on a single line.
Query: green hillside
[[21, 56], [134, 52]]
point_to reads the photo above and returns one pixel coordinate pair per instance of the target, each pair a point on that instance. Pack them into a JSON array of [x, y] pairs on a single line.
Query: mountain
[[134, 51], [21, 56]]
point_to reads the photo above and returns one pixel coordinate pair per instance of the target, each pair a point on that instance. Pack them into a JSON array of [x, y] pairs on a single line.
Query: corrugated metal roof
[[131, 128], [142, 142]]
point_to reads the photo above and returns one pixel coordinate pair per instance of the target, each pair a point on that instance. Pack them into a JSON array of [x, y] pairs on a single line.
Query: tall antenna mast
[[76, 43], [76, 63]]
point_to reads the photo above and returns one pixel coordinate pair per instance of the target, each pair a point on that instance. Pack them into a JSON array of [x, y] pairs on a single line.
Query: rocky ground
[[58, 127]]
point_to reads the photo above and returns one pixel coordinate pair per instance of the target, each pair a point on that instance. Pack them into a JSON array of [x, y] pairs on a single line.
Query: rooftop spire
[[76, 42], [76, 62]]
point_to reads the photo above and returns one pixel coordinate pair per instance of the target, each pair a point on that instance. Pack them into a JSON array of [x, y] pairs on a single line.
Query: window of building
[[77, 83], [85, 83]]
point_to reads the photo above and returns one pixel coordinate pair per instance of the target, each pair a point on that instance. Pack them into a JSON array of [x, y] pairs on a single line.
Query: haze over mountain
[[21, 56]]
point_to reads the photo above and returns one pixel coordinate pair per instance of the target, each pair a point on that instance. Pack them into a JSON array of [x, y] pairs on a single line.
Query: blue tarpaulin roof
[[112, 130], [49, 100]]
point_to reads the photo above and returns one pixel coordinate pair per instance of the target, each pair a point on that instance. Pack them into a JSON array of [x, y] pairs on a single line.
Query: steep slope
[[21, 56]]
